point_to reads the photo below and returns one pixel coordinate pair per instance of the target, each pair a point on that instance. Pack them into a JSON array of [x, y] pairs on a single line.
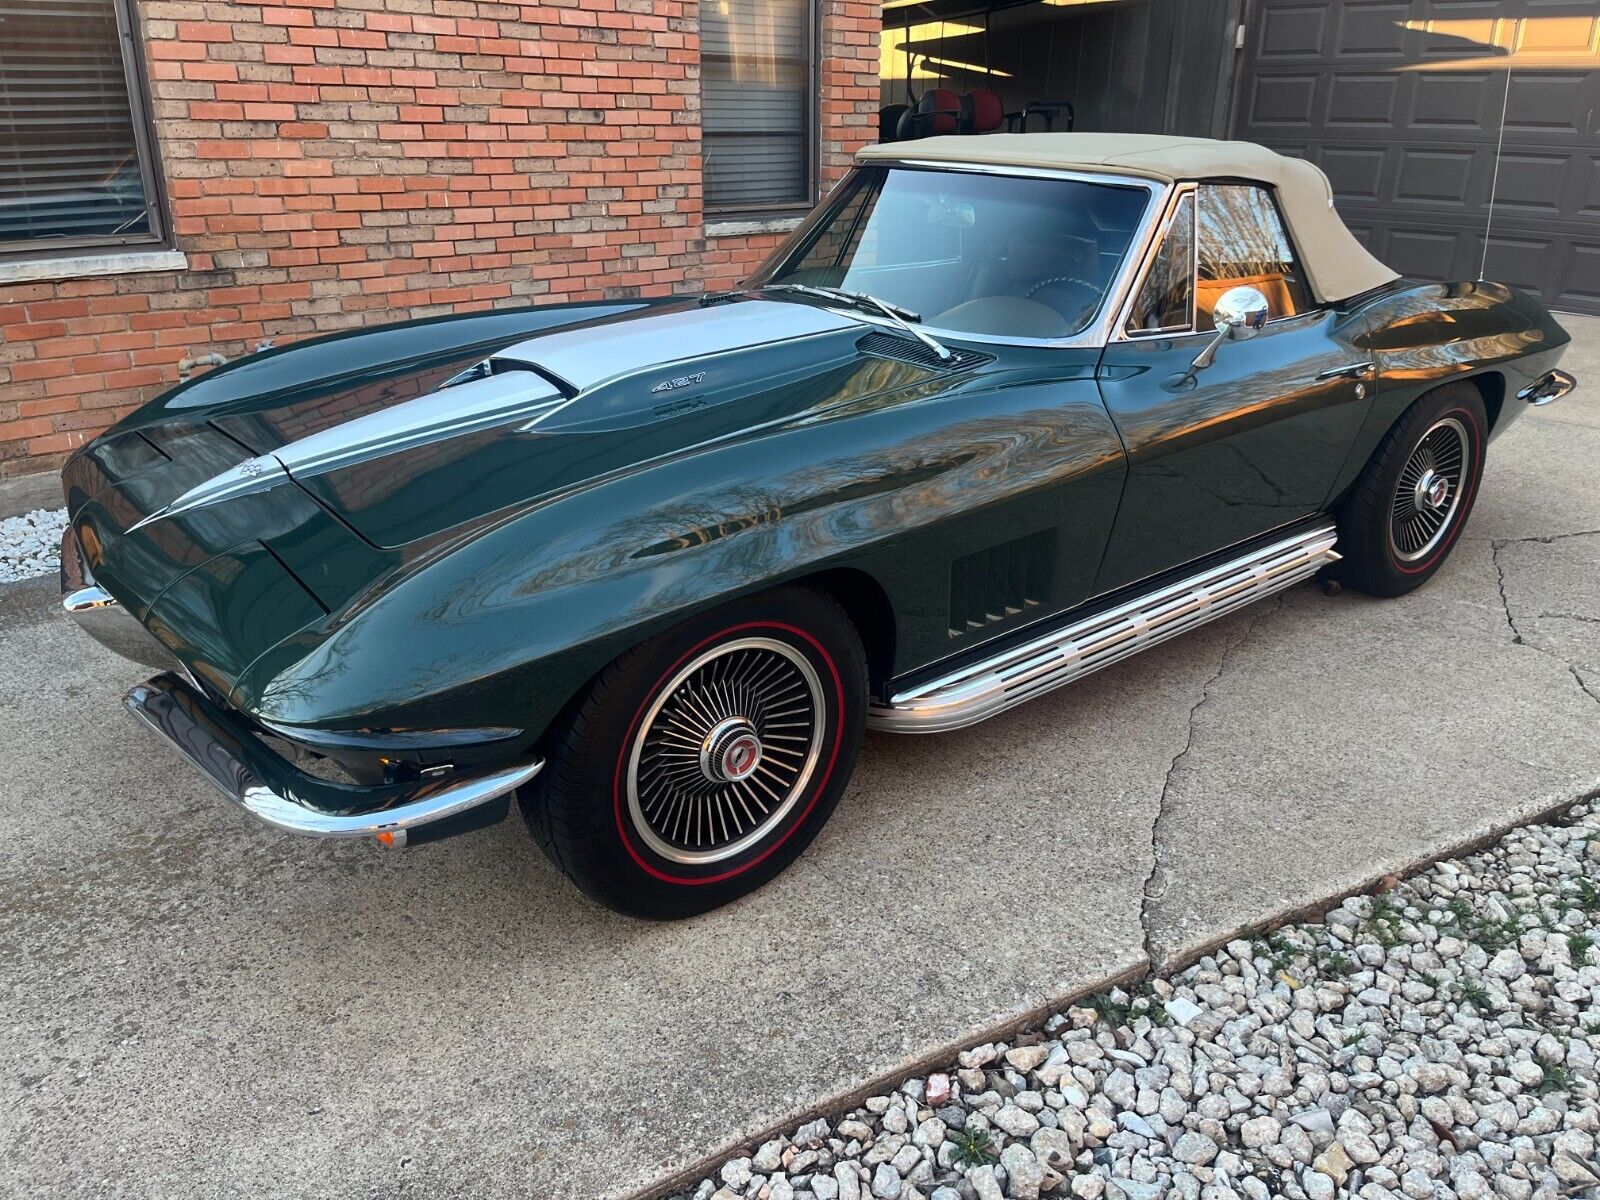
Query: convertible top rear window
[[1015, 256]]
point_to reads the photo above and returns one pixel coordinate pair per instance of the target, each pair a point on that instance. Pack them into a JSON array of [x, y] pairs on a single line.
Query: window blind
[[70, 170], [756, 81]]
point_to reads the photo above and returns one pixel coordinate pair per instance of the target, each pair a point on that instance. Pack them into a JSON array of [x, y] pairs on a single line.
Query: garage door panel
[[1284, 101], [1589, 186], [1582, 289], [1289, 31], [1366, 99], [1549, 105], [1528, 263], [1372, 30], [1355, 172], [1434, 177], [1461, 103], [1538, 185], [1422, 253], [1401, 108]]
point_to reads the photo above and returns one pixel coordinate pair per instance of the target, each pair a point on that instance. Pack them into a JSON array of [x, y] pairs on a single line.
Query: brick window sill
[[746, 226], [84, 266]]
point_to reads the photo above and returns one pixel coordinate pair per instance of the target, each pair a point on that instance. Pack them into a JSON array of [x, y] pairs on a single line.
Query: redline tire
[[1414, 497], [702, 762]]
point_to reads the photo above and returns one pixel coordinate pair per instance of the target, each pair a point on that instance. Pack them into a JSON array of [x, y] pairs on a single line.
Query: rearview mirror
[[955, 214], [1239, 314]]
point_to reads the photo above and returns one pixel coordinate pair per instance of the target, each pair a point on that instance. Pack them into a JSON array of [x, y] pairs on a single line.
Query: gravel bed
[[1434, 1041], [30, 544]]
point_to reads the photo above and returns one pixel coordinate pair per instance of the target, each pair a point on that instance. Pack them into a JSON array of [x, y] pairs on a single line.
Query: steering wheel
[[1075, 299], [1056, 280]]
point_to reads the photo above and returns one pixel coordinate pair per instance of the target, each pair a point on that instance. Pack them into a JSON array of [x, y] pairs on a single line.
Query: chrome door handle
[[1353, 370]]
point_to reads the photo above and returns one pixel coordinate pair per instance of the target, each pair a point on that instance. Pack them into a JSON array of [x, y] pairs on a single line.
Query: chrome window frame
[[1174, 199], [1093, 335], [1120, 331]]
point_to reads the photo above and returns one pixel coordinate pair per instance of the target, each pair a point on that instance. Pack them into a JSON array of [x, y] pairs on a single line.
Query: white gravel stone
[[1439, 1041], [30, 545]]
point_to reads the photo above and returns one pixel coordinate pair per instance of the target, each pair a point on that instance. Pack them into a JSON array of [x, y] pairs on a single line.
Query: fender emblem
[[678, 381]]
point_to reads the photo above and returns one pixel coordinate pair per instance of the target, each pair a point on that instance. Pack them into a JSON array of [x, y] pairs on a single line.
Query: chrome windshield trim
[[1093, 335]]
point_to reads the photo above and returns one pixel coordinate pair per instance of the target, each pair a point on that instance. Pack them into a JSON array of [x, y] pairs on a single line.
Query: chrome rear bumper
[[221, 747], [1549, 387]]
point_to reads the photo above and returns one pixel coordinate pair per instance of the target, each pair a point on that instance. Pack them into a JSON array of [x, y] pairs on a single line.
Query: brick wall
[[331, 165]]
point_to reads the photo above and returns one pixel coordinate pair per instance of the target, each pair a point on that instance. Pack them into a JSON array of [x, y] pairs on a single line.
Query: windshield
[[988, 254]]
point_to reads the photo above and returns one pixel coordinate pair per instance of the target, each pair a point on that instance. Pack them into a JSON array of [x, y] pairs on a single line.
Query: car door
[[1220, 453]]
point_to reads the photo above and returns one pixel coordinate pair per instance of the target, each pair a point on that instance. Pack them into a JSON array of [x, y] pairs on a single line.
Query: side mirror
[[1239, 315]]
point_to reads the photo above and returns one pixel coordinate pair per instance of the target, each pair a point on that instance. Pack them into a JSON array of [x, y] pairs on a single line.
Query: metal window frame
[[1121, 332], [137, 86], [1148, 262], [812, 152]]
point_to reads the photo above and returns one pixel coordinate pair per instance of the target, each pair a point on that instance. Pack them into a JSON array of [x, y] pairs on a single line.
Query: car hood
[[454, 443]]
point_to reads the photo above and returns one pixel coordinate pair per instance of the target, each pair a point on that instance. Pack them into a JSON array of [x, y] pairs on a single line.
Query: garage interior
[[1461, 137]]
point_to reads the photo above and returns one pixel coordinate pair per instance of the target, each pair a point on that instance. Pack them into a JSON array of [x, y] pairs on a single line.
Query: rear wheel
[[1414, 497], [699, 764]]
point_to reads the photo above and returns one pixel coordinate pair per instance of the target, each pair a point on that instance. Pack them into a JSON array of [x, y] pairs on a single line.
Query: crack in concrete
[[1505, 601], [1542, 538], [1587, 690], [1151, 891], [1555, 616], [1495, 546]]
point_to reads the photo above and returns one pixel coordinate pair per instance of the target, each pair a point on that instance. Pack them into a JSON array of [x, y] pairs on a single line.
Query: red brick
[[315, 163]]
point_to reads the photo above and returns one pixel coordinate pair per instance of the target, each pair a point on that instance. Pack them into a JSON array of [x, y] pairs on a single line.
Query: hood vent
[[909, 350]]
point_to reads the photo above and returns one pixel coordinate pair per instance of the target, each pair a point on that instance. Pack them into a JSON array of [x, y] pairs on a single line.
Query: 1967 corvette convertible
[[1002, 411]]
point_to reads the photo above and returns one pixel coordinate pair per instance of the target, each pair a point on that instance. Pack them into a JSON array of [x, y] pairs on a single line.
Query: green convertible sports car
[[1003, 410]]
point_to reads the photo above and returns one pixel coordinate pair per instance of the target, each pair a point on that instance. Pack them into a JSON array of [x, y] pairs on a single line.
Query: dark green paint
[[480, 582]]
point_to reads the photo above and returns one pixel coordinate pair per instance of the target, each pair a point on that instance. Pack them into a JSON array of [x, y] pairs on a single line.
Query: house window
[[76, 167], [758, 104]]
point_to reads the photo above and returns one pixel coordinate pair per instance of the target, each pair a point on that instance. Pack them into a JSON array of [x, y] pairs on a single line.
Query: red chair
[[981, 111]]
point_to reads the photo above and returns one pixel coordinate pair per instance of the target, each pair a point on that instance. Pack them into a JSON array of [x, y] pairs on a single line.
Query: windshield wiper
[[900, 316]]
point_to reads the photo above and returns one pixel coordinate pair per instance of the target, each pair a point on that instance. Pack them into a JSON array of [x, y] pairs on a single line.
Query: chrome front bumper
[[222, 748], [99, 615]]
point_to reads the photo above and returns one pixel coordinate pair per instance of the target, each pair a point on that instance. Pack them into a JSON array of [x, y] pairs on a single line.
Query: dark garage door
[[1400, 103]]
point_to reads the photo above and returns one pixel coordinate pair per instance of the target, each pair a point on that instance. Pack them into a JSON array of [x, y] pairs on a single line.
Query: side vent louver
[[1001, 582], [909, 350]]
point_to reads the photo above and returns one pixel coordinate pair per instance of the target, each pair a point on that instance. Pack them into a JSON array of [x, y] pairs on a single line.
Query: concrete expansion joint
[[1155, 884]]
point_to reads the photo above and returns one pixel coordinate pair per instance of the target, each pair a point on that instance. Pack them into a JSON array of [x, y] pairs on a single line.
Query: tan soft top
[[1336, 265]]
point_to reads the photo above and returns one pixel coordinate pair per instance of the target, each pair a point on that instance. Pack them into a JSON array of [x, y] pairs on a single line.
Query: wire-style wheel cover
[[725, 751], [1429, 492]]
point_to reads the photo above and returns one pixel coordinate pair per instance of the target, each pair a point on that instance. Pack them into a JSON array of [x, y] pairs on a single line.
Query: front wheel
[[699, 764], [1413, 498]]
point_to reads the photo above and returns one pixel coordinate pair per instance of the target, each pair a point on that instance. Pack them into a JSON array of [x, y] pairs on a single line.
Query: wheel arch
[[867, 604], [1491, 386]]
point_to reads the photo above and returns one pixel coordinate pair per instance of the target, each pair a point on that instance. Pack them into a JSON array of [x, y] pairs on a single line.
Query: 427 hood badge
[[678, 381]]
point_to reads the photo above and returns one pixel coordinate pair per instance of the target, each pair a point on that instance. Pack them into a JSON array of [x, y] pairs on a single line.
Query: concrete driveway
[[195, 1006]]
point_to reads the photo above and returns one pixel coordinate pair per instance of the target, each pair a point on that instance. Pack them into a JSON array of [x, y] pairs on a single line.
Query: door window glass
[[1164, 300], [1243, 243]]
